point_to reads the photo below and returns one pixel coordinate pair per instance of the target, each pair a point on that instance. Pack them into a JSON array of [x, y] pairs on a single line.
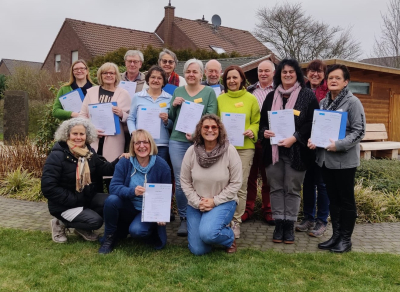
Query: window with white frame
[[74, 56], [359, 87], [57, 64]]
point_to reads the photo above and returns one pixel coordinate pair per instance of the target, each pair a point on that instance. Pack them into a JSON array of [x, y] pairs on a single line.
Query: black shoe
[[278, 231], [108, 244], [347, 222], [288, 231], [182, 230], [335, 220]]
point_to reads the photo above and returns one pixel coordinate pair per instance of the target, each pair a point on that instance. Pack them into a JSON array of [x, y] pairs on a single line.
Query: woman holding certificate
[[123, 208], [109, 146], [197, 97], [154, 98], [67, 181], [288, 158], [211, 176], [167, 60], [340, 159], [78, 78], [243, 135]]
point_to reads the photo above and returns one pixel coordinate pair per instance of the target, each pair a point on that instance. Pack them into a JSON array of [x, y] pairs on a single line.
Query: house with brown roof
[[8, 66], [85, 40]]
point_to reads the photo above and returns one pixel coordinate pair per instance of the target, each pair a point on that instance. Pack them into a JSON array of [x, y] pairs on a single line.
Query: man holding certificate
[[288, 158], [133, 62], [339, 160], [242, 104]]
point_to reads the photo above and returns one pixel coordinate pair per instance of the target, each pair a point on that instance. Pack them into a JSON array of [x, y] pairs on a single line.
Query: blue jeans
[[207, 228], [177, 151], [120, 212], [314, 186], [163, 152]]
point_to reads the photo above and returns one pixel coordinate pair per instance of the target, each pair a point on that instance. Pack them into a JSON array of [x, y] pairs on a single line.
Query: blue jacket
[[143, 99], [159, 173]]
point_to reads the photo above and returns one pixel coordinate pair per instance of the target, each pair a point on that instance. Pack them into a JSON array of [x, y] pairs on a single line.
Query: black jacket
[[59, 179], [299, 154]]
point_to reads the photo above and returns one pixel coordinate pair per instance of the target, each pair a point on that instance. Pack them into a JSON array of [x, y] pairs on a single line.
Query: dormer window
[[218, 50]]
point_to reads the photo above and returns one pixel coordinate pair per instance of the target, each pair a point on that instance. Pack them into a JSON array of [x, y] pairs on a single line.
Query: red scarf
[[174, 79]]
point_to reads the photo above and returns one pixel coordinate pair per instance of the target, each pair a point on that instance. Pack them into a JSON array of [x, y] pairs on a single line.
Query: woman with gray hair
[[167, 60], [68, 181], [179, 142]]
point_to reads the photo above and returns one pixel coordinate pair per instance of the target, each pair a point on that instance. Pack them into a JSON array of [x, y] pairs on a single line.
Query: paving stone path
[[378, 237]]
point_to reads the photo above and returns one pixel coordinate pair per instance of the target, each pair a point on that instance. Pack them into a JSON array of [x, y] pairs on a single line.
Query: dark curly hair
[[295, 65], [241, 73], [158, 69], [222, 136]]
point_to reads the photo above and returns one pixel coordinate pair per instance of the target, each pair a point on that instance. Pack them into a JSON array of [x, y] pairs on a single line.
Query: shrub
[[48, 125], [2, 85]]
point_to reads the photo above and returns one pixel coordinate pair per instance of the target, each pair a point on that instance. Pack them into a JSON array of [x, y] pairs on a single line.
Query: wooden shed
[[378, 88]]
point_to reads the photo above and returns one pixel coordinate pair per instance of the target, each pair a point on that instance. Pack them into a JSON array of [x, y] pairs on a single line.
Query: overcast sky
[[28, 28]]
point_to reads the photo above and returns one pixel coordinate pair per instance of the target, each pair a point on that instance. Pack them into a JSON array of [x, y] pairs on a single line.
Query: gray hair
[[193, 61], [132, 53], [63, 131], [269, 62], [169, 52], [105, 67]]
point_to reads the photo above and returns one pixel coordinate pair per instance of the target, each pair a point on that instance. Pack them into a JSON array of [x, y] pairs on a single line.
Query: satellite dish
[[216, 20]]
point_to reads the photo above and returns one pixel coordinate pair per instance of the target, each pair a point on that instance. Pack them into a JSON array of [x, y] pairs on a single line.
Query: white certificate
[[189, 116], [102, 117], [129, 86], [156, 205], [217, 89], [148, 118], [326, 125], [71, 101], [235, 127], [282, 124]]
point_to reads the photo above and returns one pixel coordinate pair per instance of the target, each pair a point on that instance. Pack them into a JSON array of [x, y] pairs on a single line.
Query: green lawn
[[30, 261]]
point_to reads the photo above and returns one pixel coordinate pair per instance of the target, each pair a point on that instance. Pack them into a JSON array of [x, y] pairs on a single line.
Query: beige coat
[[113, 145]]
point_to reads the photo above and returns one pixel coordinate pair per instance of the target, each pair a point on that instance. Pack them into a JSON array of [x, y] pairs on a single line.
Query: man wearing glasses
[[133, 62]]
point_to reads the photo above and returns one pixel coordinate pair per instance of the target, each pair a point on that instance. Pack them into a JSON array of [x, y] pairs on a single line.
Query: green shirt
[[209, 100], [58, 111]]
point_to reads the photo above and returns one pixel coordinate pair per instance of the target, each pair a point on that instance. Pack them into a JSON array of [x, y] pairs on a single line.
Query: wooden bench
[[374, 144]]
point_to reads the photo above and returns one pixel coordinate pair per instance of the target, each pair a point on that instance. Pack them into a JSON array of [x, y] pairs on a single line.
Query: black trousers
[[340, 188], [90, 218]]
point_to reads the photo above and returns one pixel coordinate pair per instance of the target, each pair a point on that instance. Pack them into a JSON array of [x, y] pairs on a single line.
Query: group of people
[[215, 182]]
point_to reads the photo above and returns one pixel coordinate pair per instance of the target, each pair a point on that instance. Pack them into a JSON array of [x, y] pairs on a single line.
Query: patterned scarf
[[277, 104], [207, 159], [82, 168], [333, 105], [174, 79]]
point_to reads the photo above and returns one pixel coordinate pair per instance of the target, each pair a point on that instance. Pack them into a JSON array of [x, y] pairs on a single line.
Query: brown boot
[[233, 247]]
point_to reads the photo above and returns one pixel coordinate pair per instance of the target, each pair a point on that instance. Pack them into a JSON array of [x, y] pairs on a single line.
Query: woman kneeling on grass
[[67, 181], [211, 176], [123, 208]]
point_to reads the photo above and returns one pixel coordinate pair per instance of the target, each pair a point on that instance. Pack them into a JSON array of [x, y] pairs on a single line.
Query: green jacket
[[58, 111]]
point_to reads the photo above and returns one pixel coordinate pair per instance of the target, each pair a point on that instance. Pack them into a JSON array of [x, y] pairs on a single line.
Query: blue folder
[[116, 119], [343, 121], [170, 88], [78, 90]]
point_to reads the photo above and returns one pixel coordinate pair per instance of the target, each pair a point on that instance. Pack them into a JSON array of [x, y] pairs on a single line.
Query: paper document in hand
[[235, 127], [129, 86], [102, 117], [156, 205], [282, 124], [327, 125], [149, 119], [189, 116], [72, 101], [217, 89]]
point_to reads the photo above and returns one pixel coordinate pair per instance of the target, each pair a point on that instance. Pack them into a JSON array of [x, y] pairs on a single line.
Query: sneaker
[[108, 244], [305, 225], [88, 235], [318, 230], [58, 231], [236, 229], [182, 230]]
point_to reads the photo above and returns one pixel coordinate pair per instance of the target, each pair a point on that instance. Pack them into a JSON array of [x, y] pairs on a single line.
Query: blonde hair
[[135, 138], [105, 67], [71, 73]]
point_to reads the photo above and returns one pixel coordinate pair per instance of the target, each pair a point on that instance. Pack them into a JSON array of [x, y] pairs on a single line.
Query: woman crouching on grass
[[211, 176]]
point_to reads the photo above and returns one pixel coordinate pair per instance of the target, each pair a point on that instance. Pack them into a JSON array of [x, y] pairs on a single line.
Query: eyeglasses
[[132, 61], [145, 143], [207, 127], [79, 69], [171, 62], [108, 73]]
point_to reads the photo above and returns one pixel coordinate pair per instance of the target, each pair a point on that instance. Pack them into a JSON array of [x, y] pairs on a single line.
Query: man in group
[[265, 70], [133, 62], [213, 73]]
